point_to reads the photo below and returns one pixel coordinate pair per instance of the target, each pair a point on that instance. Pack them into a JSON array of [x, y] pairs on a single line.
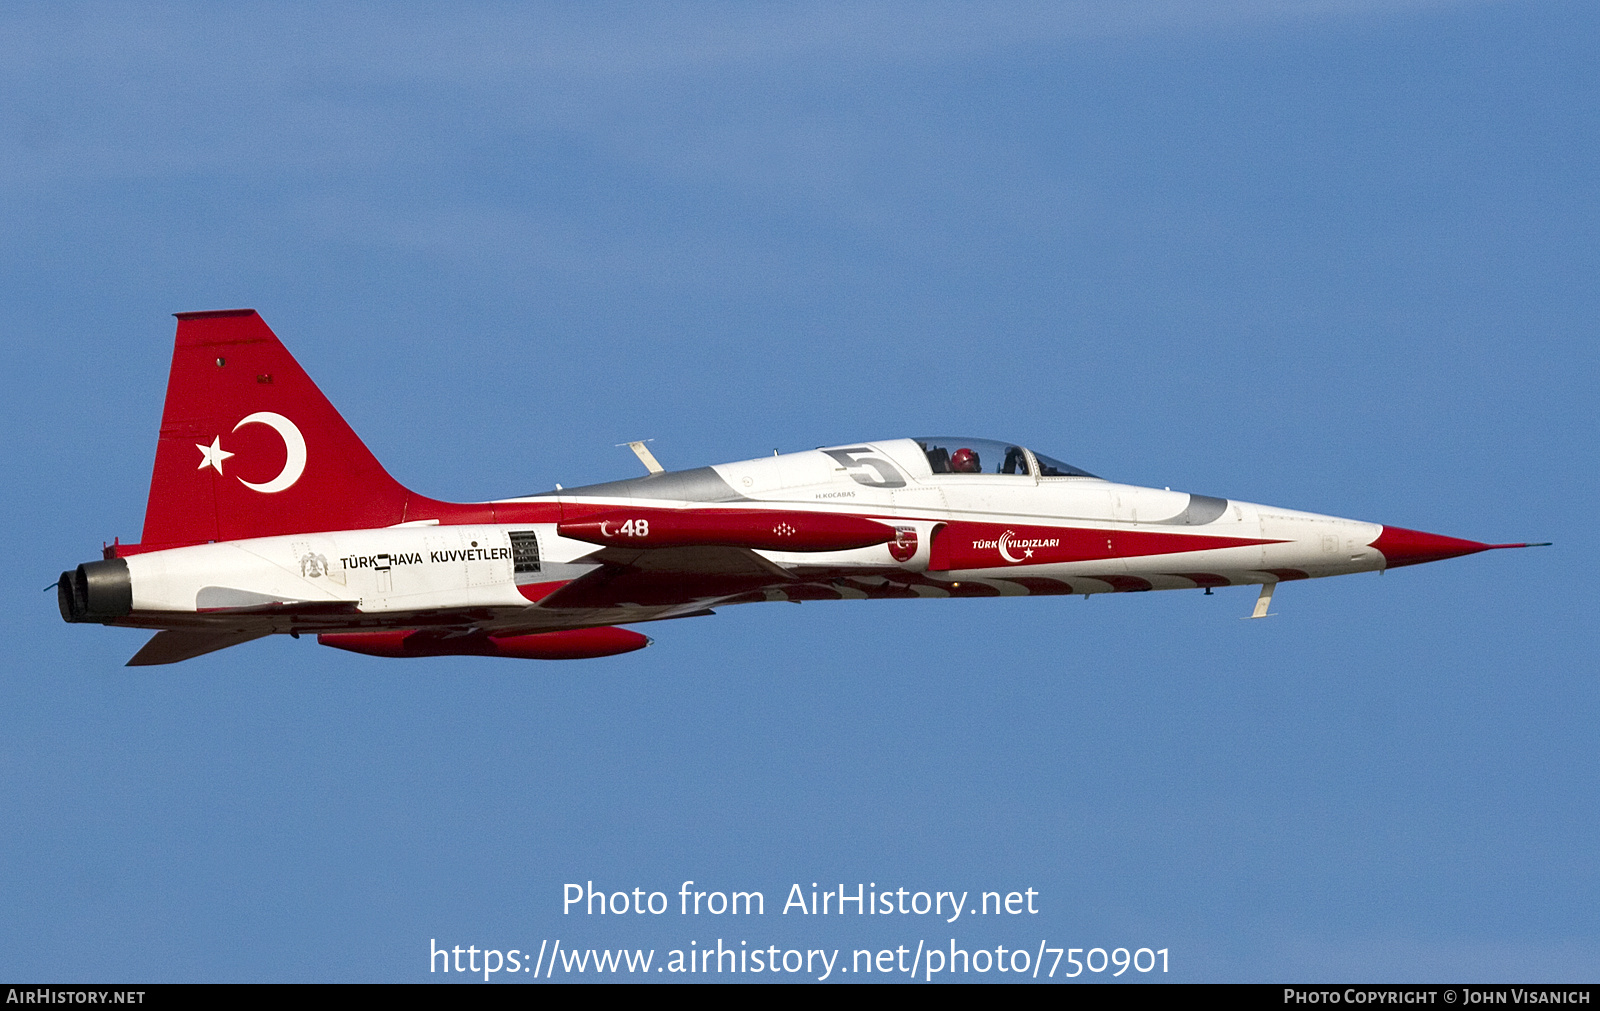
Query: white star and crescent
[[294, 444], [212, 455], [1004, 544]]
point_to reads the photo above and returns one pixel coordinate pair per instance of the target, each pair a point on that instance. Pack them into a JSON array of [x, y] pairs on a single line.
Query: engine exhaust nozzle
[[95, 591]]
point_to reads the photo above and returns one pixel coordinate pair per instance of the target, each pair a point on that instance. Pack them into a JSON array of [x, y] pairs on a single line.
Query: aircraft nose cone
[[1412, 547]]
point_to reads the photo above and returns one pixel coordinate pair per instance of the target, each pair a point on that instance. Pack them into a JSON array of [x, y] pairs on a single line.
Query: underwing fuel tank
[[572, 644]]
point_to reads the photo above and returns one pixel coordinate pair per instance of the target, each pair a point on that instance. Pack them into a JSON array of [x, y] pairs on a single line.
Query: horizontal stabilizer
[[172, 646]]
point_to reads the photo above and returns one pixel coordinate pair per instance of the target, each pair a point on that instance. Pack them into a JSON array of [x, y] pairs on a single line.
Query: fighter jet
[[267, 515]]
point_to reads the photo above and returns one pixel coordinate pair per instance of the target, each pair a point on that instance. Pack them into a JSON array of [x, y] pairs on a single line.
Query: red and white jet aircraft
[[267, 514]]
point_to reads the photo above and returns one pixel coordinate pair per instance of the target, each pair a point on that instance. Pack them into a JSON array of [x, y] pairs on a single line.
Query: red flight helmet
[[965, 461]]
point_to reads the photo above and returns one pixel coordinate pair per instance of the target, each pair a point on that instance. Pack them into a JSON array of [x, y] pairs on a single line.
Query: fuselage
[[957, 534], [268, 514]]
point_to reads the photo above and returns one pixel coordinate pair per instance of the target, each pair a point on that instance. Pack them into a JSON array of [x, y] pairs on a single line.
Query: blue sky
[[1332, 256]]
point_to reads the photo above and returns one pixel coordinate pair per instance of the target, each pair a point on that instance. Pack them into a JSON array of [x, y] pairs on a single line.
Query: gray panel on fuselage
[[1202, 509], [701, 484]]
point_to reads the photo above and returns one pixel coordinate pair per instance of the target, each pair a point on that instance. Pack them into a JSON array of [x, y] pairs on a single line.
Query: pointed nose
[[1413, 547]]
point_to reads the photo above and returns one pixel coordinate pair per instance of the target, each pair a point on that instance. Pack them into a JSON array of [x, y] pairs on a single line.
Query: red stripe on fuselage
[[963, 545], [764, 529]]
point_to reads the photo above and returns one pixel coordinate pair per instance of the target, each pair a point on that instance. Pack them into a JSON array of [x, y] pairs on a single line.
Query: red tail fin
[[251, 448]]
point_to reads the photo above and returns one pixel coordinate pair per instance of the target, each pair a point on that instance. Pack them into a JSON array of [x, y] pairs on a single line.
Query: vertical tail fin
[[251, 448]]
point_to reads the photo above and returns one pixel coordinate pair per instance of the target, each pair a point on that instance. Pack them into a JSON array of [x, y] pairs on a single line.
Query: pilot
[[965, 461]]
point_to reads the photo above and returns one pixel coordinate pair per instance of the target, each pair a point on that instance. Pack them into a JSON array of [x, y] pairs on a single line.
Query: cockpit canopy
[[956, 455]]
